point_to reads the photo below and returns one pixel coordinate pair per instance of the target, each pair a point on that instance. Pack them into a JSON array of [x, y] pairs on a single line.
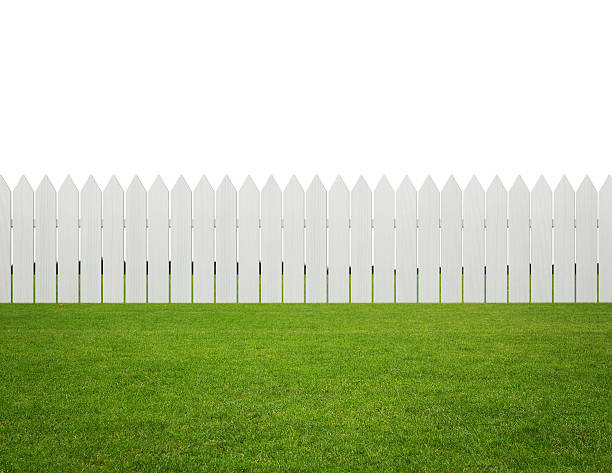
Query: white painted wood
[[339, 241], [226, 282], [564, 242], [112, 242], [406, 242], [5, 242], [429, 242], [180, 241], [518, 242], [248, 242], [605, 237], [586, 242], [203, 242], [158, 245], [361, 242], [293, 242], [384, 242], [450, 251], [23, 242], [316, 242], [91, 241], [473, 242], [541, 242], [136, 242], [68, 242], [271, 246], [496, 242], [45, 242]]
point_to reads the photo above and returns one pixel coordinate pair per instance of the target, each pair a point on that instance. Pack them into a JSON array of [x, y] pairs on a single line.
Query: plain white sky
[[312, 87]]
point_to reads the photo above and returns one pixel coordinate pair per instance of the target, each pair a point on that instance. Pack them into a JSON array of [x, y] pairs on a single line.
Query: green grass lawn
[[305, 388]]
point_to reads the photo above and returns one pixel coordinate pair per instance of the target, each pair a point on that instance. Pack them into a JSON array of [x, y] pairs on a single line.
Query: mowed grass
[[305, 388]]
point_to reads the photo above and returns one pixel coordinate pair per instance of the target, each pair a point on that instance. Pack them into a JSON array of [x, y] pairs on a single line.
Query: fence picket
[[605, 237], [226, 283], [384, 242], [339, 254], [158, 234], [293, 242], [45, 241], [473, 242], [429, 242], [518, 242], [496, 289], [204, 242], [136, 242], [248, 247], [180, 251], [271, 243], [450, 251], [316, 242], [406, 242], [23, 242], [5, 241], [91, 241], [541, 242], [564, 221], [586, 242], [361, 242], [68, 242], [112, 242]]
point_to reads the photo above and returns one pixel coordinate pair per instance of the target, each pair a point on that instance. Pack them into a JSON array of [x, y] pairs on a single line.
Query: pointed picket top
[[587, 186], [113, 185], [519, 185], [23, 185], [451, 186], [406, 185], [564, 185], [339, 185], [45, 185], [383, 185], [68, 186], [429, 185], [181, 186], [91, 185], [248, 185], [496, 185], [361, 185], [294, 185], [136, 186], [607, 185], [159, 185], [474, 186], [316, 185], [271, 186], [203, 185], [542, 185], [3, 185]]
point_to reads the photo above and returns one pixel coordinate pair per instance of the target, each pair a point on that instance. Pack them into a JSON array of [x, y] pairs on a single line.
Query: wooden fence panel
[[248, 244], [450, 238], [473, 242], [68, 242], [406, 242], [496, 289], [361, 242], [541, 242], [339, 242], [586, 242], [564, 242], [5, 242], [180, 241], [316, 242], [518, 242], [293, 242], [136, 243], [204, 242], [384, 242], [605, 237], [45, 242], [91, 242], [112, 242], [226, 282], [271, 243], [429, 242], [158, 235], [23, 242]]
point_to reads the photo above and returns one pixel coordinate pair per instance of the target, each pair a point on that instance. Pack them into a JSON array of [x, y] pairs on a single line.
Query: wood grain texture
[[450, 251], [226, 280], [541, 242], [112, 242], [339, 242], [248, 242], [496, 242], [91, 242], [45, 249], [180, 241], [361, 242], [293, 242], [384, 242], [203, 242], [406, 242], [316, 242], [5, 242], [136, 242], [23, 242], [473, 242], [586, 242], [271, 243], [564, 256], [605, 237], [68, 242], [158, 242], [518, 242], [429, 242]]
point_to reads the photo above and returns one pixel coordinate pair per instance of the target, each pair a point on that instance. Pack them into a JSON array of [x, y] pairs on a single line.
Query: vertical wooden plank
[[450, 238], [136, 242], [497, 242], [384, 242], [112, 242], [406, 242], [248, 242], [271, 246], [586, 242], [541, 242], [316, 242], [180, 251], [293, 242], [23, 242], [204, 242], [339, 249], [45, 241], [473, 242], [564, 242], [157, 207], [429, 242], [5, 242], [91, 242], [68, 242], [605, 237], [361, 242], [226, 288], [518, 242]]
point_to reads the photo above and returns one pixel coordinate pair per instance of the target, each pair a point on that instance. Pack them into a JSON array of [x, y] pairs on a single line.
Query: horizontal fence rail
[[291, 245]]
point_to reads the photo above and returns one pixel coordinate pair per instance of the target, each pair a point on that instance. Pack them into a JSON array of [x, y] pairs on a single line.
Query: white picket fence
[[313, 246]]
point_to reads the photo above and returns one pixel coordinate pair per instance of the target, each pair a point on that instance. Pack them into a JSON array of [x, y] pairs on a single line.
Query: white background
[[311, 87]]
